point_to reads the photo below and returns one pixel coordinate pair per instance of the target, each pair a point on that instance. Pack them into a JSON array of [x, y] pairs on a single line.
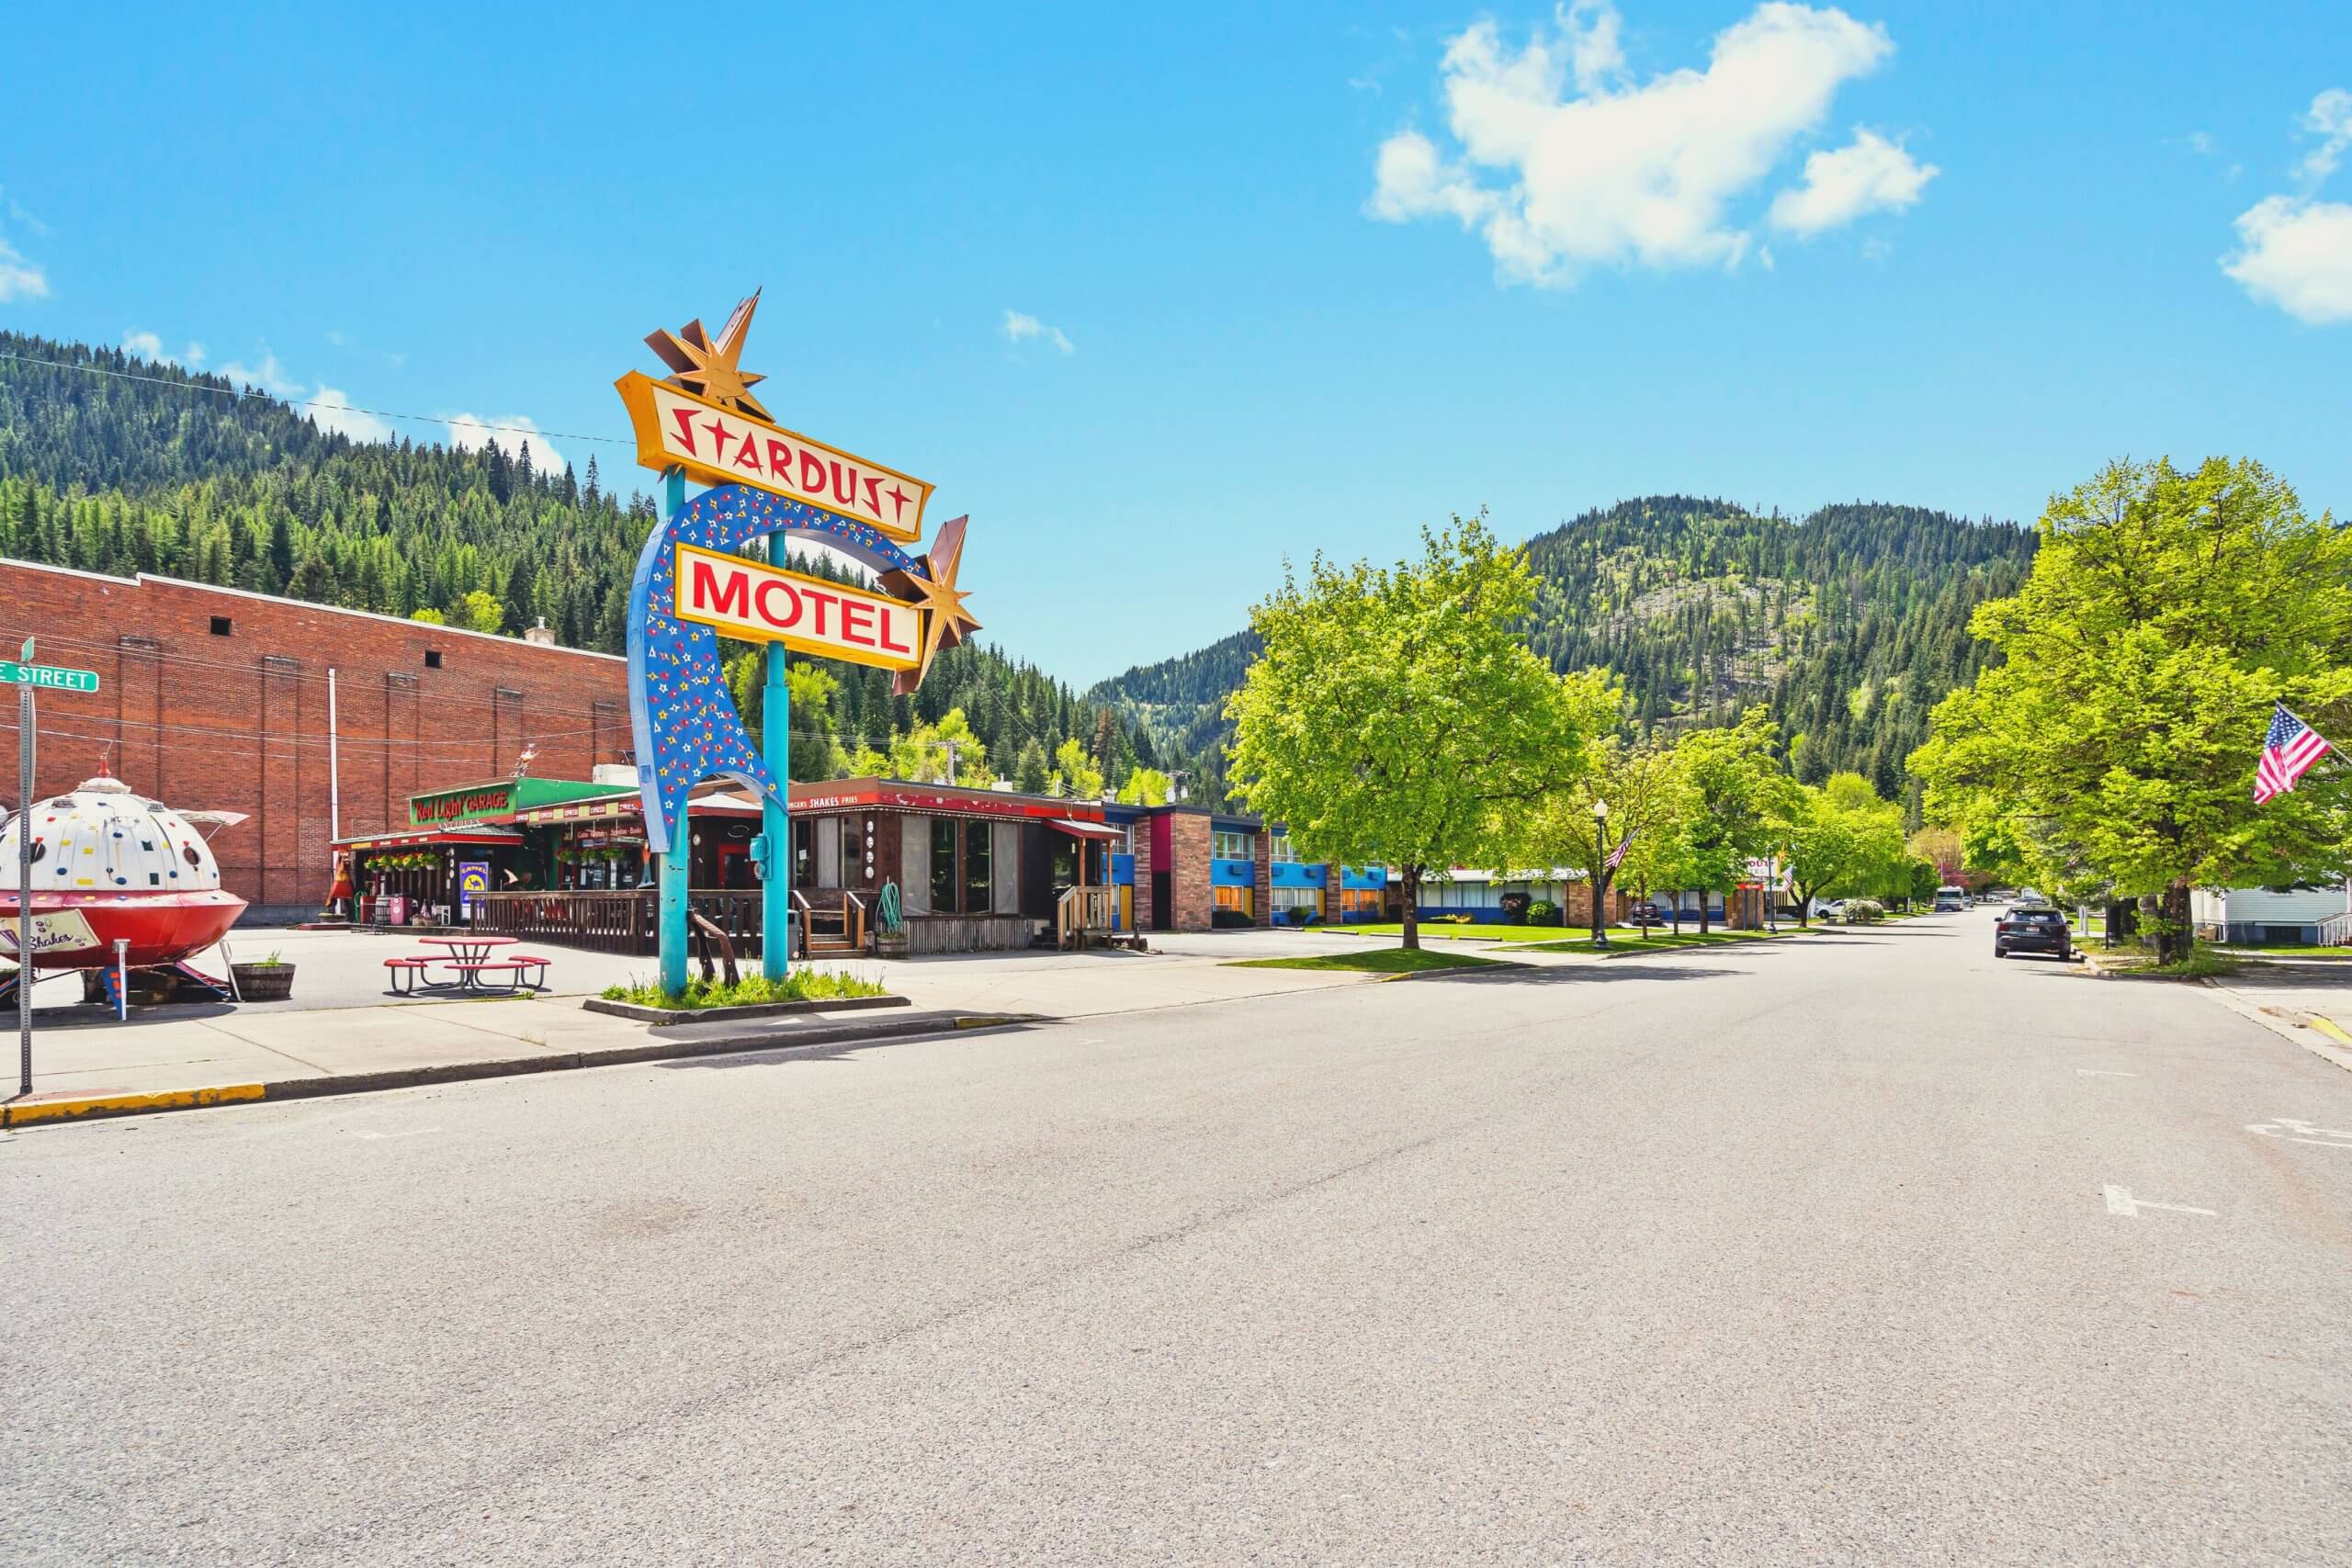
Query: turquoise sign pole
[[670, 869], [775, 819]]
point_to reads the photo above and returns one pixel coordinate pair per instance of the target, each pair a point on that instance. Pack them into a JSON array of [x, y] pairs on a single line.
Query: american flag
[[2287, 753], [1617, 856]]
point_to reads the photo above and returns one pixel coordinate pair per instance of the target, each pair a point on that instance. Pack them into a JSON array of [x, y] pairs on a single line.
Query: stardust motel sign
[[758, 603]]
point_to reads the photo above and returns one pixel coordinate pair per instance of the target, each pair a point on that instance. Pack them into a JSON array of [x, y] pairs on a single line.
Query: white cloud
[[2201, 143], [515, 433], [1619, 174], [150, 346], [20, 279], [269, 375], [1867, 174], [2330, 119], [332, 411], [1596, 43], [2297, 254], [1020, 327]]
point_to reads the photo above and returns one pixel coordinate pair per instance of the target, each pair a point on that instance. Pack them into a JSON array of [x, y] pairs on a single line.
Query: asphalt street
[[1861, 1248]]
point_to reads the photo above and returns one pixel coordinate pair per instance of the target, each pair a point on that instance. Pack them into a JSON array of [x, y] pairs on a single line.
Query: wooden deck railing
[[1084, 912], [613, 922]]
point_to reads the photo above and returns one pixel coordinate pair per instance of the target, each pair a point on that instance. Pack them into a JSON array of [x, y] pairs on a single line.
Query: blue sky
[[1321, 274]]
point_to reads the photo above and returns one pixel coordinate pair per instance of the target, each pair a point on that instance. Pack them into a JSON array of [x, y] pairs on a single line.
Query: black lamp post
[[1599, 865]]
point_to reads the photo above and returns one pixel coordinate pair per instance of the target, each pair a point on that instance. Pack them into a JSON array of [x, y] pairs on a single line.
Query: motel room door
[[1163, 903]]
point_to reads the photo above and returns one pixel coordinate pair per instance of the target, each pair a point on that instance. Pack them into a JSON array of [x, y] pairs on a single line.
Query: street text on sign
[[764, 604], [717, 445], [47, 677]]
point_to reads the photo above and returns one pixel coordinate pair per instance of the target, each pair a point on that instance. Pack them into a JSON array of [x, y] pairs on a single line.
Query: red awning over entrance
[[1086, 829], [425, 837]]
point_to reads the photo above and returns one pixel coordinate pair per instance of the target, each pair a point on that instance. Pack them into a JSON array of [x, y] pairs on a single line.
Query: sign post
[[28, 677], [25, 881]]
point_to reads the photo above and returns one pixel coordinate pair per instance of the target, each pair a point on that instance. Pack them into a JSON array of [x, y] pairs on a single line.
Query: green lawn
[[2288, 950], [1661, 942], [1433, 931], [1378, 960]]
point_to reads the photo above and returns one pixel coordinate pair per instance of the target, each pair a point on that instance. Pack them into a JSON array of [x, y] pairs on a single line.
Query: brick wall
[[1190, 900], [239, 722], [1141, 834], [1262, 898]]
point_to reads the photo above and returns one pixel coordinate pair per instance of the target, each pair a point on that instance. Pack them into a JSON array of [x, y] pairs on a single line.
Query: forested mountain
[[1850, 623], [187, 476]]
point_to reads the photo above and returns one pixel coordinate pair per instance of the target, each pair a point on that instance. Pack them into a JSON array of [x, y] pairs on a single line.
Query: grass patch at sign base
[[799, 985], [1377, 960]]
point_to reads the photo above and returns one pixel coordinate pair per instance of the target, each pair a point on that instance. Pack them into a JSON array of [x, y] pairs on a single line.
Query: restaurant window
[[979, 887], [942, 865], [804, 845], [1235, 846], [1279, 849]]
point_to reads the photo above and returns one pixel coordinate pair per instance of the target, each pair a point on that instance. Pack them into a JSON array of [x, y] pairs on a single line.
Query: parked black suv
[[2031, 928]]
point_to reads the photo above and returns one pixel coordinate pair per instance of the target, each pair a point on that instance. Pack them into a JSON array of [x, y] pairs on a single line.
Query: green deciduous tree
[[1641, 790], [2115, 746], [1075, 774], [1841, 837], [1146, 787], [1394, 711], [1737, 794]]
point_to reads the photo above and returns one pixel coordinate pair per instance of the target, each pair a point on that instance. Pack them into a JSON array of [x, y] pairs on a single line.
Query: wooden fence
[[612, 923]]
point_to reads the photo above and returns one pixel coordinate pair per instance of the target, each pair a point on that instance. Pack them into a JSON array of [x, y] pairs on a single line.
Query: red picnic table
[[470, 956]]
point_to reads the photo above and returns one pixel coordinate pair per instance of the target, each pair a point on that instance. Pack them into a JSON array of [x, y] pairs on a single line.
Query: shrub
[[1863, 912], [1542, 913], [1225, 920], [799, 985]]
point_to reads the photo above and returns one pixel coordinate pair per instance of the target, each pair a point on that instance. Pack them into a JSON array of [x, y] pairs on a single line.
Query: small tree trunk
[[1412, 908], [1702, 909], [2178, 935]]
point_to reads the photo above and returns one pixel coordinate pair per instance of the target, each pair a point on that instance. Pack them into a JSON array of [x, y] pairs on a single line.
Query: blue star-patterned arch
[[683, 718]]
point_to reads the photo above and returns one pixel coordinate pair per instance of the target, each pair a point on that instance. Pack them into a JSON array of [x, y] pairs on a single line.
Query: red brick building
[[215, 699]]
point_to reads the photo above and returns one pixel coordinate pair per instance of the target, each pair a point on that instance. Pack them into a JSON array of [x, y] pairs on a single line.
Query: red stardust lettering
[[848, 497], [705, 593], [779, 459], [890, 619], [685, 420], [857, 622], [718, 428], [773, 585], [749, 457], [812, 475], [873, 495]]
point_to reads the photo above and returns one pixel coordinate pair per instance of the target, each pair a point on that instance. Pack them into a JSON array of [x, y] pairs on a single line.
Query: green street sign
[[47, 677]]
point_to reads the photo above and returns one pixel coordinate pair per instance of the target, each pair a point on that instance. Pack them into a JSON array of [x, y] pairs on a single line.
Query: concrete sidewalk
[[343, 1039]]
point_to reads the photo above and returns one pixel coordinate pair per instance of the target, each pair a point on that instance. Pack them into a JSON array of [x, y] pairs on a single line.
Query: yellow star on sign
[[945, 622], [709, 369]]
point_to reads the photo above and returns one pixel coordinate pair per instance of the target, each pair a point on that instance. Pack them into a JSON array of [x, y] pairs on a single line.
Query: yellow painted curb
[[23, 1113], [2328, 1026]]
